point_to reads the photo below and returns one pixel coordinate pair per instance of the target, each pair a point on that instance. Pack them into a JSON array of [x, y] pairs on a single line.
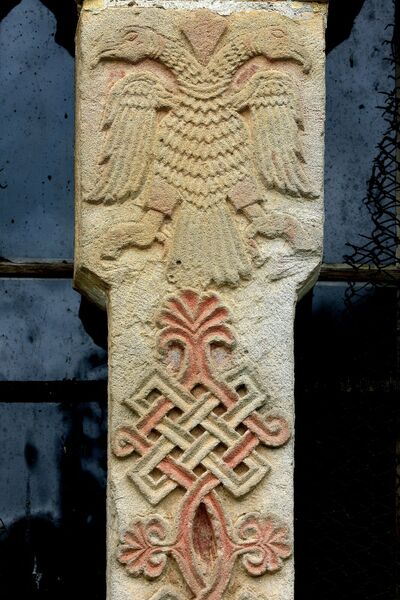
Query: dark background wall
[[52, 345]]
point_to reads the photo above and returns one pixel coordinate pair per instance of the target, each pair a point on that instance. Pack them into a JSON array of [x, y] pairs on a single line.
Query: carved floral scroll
[[207, 428]]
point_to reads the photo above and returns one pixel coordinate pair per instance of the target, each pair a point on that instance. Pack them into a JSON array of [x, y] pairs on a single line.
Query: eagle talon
[[277, 225], [271, 227], [271, 224], [144, 233], [127, 235], [161, 237], [112, 255], [251, 231]]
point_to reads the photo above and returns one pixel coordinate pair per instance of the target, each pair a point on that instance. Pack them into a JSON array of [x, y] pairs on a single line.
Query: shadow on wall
[[345, 515], [340, 21], [43, 558], [66, 14], [347, 415]]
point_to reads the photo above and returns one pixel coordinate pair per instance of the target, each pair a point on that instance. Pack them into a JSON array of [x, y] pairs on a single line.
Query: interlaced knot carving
[[196, 429]]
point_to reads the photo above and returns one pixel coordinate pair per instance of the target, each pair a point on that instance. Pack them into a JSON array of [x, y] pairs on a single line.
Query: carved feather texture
[[204, 148], [276, 126], [130, 124], [202, 151], [212, 243]]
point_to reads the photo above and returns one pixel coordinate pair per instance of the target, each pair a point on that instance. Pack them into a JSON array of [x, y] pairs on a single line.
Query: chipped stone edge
[[290, 8]]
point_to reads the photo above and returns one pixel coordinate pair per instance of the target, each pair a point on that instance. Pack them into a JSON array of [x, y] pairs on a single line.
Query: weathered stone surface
[[199, 222]]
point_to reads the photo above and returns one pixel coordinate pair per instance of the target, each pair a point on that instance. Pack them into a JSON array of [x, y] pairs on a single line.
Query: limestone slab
[[199, 213]]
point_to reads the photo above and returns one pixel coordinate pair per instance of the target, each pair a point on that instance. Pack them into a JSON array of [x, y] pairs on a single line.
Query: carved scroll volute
[[199, 212]]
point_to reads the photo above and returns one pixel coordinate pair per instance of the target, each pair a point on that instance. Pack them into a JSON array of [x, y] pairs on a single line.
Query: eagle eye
[[278, 33]]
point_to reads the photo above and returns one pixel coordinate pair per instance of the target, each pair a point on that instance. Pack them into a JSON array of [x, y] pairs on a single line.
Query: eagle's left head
[[132, 44]]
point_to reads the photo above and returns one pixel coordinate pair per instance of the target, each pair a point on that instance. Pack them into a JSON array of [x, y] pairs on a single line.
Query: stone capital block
[[199, 218]]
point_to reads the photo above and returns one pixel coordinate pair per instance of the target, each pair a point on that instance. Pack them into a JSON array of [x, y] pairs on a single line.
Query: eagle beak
[[107, 53], [300, 55]]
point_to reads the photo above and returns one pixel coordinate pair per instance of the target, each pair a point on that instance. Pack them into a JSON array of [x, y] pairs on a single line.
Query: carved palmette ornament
[[206, 149]]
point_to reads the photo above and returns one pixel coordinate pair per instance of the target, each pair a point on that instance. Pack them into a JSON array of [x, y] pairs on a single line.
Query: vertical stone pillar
[[199, 216]]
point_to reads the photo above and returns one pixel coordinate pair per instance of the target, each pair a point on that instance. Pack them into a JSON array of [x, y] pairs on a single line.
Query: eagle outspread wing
[[272, 100], [129, 125]]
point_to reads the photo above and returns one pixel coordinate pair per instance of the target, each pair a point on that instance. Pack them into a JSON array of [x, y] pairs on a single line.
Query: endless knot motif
[[195, 437], [197, 430]]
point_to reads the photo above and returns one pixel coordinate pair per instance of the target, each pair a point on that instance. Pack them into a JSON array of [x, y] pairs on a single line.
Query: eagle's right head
[[280, 41]]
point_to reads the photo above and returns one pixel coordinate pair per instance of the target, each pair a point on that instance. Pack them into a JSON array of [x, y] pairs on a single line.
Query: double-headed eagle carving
[[204, 149]]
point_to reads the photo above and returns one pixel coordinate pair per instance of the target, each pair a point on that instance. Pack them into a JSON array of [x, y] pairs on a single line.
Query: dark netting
[[348, 402], [380, 250]]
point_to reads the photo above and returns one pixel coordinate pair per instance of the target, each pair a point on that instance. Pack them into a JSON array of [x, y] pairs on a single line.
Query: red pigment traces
[[204, 542], [194, 329], [114, 76]]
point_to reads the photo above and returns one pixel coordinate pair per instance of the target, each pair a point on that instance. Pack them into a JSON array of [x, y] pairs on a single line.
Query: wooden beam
[[41, 269], [63, 269], [363, 274]]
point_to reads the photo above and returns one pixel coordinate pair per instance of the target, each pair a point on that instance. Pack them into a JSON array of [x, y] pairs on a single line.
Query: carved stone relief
[[207, 427], [207, 144], [199, 221]]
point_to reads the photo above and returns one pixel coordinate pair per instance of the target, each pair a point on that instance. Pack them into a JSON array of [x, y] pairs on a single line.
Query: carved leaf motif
[[204, 541], [191, 323], [264, 543], [143, 550], [194, 313]]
